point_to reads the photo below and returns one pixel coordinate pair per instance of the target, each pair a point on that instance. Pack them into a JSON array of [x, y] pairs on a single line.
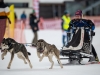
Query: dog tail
[[29, 53]]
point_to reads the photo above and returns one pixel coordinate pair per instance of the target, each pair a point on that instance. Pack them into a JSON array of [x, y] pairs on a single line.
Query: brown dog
[[47, 50]]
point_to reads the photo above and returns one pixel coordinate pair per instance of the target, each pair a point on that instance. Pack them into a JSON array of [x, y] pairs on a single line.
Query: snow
[[42, 68]]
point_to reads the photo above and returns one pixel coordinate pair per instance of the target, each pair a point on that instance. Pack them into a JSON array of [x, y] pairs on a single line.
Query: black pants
[[86, 37], [94, 52]]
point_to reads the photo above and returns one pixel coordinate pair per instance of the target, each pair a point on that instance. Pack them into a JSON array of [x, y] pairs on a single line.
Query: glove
[[92, 33]]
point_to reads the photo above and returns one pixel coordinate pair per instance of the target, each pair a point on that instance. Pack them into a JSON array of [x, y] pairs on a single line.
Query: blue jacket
[[23, 16], [82, 23]]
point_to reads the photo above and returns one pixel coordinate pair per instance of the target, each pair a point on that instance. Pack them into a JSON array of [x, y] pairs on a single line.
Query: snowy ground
[[41, 68]]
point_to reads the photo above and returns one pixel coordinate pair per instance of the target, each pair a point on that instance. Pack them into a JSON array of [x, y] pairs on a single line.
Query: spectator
[[23, 15], [34, 26], [65, 26]]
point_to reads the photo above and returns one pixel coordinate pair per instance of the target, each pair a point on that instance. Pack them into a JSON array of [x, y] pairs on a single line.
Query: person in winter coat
[[80, 22], [4, 12], [65, 26], [34, 26]]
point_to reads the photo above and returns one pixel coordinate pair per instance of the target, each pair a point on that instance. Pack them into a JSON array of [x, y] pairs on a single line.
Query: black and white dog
[[10, 45]]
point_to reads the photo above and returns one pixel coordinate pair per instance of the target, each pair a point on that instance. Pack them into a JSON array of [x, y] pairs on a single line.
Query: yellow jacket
[[66, 21]]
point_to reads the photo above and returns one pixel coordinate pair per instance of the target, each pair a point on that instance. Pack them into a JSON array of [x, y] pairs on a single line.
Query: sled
[[78, 47]]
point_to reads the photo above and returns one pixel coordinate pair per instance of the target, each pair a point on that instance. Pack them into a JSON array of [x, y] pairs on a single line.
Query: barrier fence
[[53, 23], [19, 35]]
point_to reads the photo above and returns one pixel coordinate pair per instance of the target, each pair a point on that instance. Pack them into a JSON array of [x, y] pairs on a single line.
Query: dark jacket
[[33, 22], [82, 23]]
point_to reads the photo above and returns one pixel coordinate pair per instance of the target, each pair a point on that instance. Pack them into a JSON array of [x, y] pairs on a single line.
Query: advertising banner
[[54, 23]]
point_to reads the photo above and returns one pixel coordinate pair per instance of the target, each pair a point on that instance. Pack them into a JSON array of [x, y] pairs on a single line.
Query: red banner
[[52, 24]]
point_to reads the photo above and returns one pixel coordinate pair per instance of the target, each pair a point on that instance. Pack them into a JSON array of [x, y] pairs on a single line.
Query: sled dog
[[10, 45], [47, 50]]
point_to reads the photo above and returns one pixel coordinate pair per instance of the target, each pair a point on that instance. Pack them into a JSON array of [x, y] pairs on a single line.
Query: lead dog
[[10, 45], [47, 50]]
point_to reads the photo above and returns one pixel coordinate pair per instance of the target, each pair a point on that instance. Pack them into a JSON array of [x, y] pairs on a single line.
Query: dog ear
[[44, 42], [10, 40], [3, 39], [36, 43]]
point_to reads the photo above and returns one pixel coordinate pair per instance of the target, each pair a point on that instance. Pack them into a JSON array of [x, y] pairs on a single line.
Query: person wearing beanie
[[33, 21], [4, 12], [78, 14], [65, 25], [78, 21]]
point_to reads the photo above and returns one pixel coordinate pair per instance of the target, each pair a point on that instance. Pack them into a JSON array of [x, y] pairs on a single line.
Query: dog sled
[[79, 47]]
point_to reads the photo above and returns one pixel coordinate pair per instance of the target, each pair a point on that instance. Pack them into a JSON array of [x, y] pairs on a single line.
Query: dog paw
[[50, 68], [61, 66], [25, 62], [40, 60], [31, 66], [8, 67], [2, 58]]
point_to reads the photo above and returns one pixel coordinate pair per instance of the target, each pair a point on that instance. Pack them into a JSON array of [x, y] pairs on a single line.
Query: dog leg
[[20, 56], [50, 59], [59, 61], [12, 56], [41, 58], [38, 54], [29, 62], [3, 54]]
